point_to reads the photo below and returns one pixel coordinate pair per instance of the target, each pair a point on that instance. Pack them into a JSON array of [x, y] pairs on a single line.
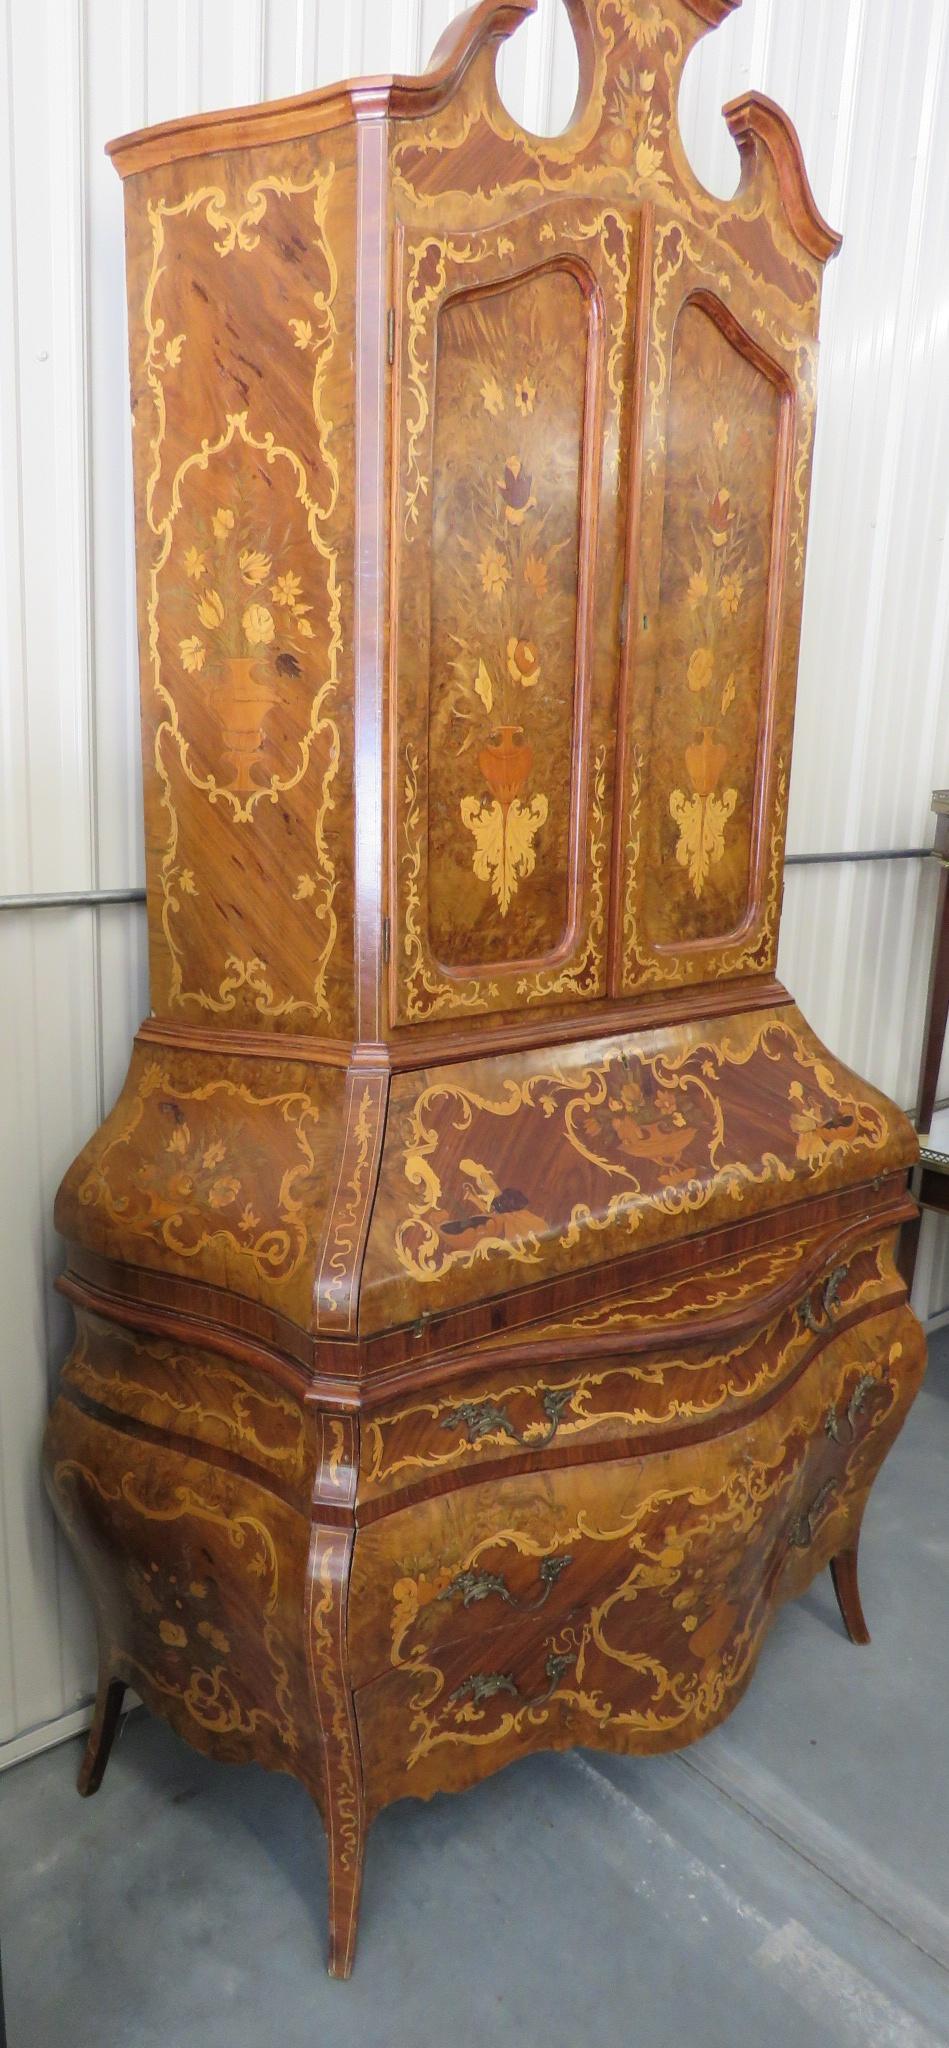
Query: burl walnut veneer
[[485, 1286]]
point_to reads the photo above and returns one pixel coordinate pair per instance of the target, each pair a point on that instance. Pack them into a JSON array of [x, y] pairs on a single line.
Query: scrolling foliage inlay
[[680, 1382], [514, 393], [224, 1177], [241, 506], [501, 710], [623, 145], [190, 1393], [520, 1175], [184, 1643], [719, 493], [709, 613], [695, 1557]]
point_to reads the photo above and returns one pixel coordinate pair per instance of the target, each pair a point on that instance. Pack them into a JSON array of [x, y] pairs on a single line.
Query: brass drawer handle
[[483, 1418], [833, 1425], [482, 1685], [830, 1303], [808, 1317], [832, 1292], [801, 1532], [475, 1586]]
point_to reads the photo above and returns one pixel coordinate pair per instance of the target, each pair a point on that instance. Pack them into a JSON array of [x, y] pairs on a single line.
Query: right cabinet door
[[712, 649]]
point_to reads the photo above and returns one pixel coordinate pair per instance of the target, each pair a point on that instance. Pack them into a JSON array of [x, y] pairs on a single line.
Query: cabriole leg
[[843, 1571], [105, 1721], [328, 1568], [345, 1887]]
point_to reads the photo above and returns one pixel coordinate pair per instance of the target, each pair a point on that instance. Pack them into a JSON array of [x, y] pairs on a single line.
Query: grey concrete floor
[[783, 1884]]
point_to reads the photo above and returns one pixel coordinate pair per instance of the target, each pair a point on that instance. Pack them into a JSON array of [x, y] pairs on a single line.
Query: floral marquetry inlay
[[491, 1181], [663, 1600], [227, 1175], [513, 409], [183, 1649], [243, 625], [509, 404], [716, 541], [727, 459], [244, 630]]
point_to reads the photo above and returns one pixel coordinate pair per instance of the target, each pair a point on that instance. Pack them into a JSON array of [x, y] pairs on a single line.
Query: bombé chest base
[[564, 1513]]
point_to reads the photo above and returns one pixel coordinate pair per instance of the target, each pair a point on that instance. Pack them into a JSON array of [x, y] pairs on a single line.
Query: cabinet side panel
[[241, 281]]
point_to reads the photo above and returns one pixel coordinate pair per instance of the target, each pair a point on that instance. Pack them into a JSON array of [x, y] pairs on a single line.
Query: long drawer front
[[675, 1369], [618, 1603]]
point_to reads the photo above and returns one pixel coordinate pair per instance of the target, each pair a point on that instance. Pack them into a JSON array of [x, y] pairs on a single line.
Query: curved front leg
[[105, 1721], [843, 1572], [343, 1803]]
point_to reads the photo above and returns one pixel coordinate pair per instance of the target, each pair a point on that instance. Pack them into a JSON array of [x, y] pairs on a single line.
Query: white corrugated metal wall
[[865, 84]]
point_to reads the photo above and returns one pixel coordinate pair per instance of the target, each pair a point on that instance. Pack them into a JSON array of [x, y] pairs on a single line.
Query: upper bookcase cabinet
[[471, 473]]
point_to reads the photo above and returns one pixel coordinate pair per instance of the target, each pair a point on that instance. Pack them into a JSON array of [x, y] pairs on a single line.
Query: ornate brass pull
[[482, 1685], [830, 1303], [483, 1418], [832, 1292], [801, 1532], [479, 1585], [858, 1398]]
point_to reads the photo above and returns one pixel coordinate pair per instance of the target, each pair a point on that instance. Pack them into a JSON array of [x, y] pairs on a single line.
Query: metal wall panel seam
[[29, 1535], [911, 616], [69, 898], [893, 426], [73, 88], [305, 46], [404, 36], [112, 104], [17, 816], [77, 71], [846, 118], [537, 105], [837, 970], [564, 72], [258, 60], [826, 641], [189, 54]]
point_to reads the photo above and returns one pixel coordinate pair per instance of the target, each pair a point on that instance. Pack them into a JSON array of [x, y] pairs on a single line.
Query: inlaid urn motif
[[242, 695]]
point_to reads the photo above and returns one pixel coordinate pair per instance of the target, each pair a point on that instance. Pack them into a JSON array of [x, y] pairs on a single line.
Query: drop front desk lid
[[484, 1182], [495, 1177]]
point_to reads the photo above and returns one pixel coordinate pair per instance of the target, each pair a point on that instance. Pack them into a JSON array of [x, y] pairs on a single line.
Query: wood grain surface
[[486, 1284]]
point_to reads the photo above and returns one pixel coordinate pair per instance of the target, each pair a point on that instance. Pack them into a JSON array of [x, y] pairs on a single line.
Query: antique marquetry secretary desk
[[485, 1286]]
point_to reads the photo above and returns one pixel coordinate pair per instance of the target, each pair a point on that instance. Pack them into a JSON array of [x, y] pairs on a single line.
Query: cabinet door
[[509, 459], [728, 423]]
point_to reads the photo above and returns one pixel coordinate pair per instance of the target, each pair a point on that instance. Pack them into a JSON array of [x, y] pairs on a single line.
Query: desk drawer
[[660, 1378], [667, 1569], [197, 1400]]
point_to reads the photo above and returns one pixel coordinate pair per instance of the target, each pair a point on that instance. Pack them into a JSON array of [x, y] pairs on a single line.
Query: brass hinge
[[385, 940], [390, 335]]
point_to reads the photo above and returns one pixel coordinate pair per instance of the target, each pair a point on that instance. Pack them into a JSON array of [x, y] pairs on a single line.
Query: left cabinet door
[[512, 356]]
